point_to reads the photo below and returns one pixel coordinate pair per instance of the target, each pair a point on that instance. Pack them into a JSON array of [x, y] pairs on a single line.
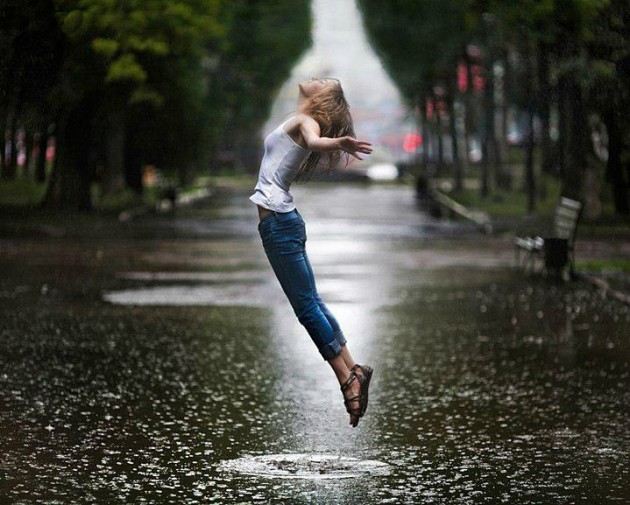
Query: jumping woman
[[319, 134]]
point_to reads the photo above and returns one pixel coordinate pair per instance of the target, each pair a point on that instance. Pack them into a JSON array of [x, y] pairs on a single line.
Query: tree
[[609, 51], [263, 42], [572, 56], [420, 45], [30, 59], [119, 55]]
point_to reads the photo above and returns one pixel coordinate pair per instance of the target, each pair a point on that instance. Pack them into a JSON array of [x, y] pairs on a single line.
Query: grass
[[26, 192], [240, 180], [21, 191], [502, 203], [509, 206], [617, 265], [123, 199]]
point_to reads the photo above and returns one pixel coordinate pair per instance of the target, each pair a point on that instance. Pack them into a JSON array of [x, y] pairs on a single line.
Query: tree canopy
[[567, 58]]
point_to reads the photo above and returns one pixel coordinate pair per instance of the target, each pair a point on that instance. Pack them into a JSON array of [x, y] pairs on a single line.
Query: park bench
[[556, 249]]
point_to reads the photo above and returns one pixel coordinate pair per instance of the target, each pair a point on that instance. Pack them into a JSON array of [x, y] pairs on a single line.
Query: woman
[[319, 134]]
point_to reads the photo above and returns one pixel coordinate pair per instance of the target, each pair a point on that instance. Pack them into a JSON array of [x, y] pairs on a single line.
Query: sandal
[[366, 371], [358, 411]]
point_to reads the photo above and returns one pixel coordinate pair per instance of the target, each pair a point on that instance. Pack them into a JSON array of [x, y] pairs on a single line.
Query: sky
[[340, 49]]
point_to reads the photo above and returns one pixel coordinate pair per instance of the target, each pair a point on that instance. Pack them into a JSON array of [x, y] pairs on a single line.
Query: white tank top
[[278, 169]]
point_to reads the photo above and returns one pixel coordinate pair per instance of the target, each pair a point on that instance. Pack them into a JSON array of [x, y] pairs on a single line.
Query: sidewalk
[[602, 250]]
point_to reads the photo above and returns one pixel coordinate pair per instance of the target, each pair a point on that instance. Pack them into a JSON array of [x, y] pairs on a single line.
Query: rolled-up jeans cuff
[[339, 337], [331, 350]]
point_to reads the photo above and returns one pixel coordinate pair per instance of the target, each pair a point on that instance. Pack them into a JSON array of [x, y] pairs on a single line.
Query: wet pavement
[[157, 361]]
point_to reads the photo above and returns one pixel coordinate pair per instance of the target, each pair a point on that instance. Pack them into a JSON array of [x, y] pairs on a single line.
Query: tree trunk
[[113, 179], [565, 88], [530, 180], [614, 167], [424, 127], [457, 167], [440, 136], [69, 185], [246, 148], [487, 153], [544, 111], [133, 168], [10, 162], [574, 157], [501, 178], [6, 157], [8, 143], [501, 123], [40, 162], [470, 113], [15, 115], [485, 168], [3, 129], [28, 145]]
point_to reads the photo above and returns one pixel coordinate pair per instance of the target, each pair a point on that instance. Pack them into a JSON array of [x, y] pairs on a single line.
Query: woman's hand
[[353, 146]]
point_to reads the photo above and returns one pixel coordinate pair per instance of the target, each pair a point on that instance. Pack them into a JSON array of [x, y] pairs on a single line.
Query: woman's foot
[[351, 390], [365, 372]]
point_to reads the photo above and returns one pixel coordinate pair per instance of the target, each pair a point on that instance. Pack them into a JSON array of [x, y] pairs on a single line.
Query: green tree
[[168, 82], [122, 56], [263, 43], [420, 44], [30, 59], [609, 91], [571, 55], [550, 38]]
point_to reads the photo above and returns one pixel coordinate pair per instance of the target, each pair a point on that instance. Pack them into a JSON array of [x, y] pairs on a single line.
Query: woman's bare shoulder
[[301, 116], [307, 121], [300, 120]]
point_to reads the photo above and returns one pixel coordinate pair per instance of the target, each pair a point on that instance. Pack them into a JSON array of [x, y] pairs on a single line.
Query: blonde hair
[[331, 111]]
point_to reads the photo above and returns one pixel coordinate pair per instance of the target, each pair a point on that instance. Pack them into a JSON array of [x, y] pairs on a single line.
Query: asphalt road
[[158, 361]]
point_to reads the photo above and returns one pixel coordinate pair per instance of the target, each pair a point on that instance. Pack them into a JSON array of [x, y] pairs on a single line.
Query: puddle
[[516, 389], [234, 294], [238, 276], [305, 466]]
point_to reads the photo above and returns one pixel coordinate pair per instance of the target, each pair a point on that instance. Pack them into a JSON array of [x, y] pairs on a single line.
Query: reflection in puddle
[[305, 466], [224, 294], [242, 275]]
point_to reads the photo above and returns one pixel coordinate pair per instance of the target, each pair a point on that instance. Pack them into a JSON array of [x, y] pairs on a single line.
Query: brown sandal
[[358, 411], [366, 371]]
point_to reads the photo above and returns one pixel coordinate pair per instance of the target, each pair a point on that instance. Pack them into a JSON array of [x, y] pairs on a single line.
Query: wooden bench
[[558, 248]]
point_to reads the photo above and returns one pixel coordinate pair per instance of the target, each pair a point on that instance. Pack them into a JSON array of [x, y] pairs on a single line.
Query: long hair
[[331, 111]]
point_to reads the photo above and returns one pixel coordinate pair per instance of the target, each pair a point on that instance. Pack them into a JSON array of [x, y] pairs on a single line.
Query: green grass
[[618, 265], [25, 192], [501, 203], [21, 191], [512, 205], [239, 180], [122, 200]]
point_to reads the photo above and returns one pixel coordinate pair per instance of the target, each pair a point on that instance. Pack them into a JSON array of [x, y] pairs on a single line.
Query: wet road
[[137, 359]]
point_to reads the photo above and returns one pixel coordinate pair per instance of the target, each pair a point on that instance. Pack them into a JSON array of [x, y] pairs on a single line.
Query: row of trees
[[174, 83], [564, 59]]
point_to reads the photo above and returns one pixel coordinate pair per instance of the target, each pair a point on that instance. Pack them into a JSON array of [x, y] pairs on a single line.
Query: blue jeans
[[283, 236]]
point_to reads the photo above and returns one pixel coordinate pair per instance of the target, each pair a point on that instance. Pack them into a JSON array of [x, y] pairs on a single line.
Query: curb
[[166, 204], [604, 287], [480, 218]]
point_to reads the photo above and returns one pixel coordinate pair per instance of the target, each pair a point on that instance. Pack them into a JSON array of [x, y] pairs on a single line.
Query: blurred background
[[517, 102]]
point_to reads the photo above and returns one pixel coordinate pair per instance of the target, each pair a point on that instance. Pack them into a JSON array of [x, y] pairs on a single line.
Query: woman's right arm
[[310, 130]]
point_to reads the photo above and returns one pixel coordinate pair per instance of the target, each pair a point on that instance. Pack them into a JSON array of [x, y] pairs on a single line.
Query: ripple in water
[[304, 466]]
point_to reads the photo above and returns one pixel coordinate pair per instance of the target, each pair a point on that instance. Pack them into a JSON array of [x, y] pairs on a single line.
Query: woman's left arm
[[310, 130]]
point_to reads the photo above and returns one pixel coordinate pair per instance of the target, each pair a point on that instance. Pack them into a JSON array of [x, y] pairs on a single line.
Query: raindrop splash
[[305, 466]]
